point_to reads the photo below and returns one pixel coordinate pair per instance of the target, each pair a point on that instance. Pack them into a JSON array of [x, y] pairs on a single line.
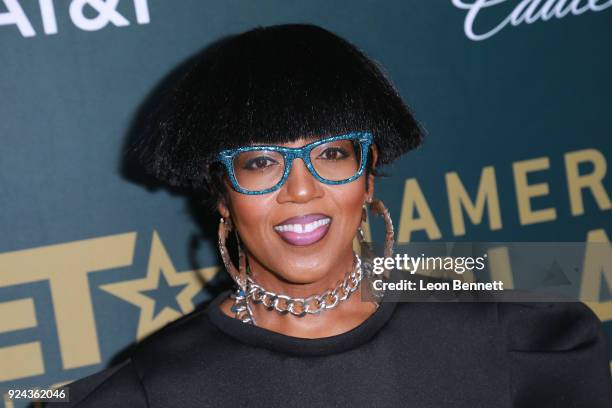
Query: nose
[[300, 186]]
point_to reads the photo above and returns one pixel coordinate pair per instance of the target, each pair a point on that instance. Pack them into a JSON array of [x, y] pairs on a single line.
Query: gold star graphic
[[160, 263]]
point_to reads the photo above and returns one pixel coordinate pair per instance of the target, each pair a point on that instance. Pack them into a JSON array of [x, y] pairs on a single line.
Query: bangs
[[272, 85]]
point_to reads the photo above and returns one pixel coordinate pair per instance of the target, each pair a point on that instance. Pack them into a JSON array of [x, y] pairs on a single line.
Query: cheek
[[349, 201], [250, 213], [254, 215]]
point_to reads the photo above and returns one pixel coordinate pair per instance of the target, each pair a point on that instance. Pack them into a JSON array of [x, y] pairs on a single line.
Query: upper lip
[[303, 219]]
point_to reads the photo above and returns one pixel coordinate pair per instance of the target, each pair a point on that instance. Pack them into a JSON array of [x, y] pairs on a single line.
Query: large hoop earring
[[365, 246], [237, 275], [242, 268], [377, 207], [241, 307]]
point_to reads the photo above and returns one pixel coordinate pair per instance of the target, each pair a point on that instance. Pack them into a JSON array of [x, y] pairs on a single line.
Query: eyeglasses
[[262, 169]]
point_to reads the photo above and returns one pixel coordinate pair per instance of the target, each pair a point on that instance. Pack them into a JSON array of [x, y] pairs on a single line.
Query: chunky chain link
[[313, 304]]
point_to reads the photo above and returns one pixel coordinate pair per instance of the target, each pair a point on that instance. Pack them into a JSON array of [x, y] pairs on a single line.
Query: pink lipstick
[[304, 229]]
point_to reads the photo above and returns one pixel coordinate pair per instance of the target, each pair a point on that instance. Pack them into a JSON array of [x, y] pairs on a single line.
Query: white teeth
[[303, 228]]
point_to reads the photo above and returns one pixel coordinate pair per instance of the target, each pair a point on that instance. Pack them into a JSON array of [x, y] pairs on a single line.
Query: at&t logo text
[[88, 15]]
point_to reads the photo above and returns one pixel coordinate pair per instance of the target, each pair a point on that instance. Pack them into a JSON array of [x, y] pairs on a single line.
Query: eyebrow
[[337, 136], [287, 147]]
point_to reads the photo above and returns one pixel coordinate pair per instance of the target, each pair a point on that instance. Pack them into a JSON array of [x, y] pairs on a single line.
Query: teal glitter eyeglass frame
[[291, 153]]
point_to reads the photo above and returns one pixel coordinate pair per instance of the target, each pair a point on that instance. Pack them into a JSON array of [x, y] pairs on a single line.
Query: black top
[[405, 354]]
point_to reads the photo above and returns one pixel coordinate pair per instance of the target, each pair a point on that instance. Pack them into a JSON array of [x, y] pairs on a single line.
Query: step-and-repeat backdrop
[[514, 96]]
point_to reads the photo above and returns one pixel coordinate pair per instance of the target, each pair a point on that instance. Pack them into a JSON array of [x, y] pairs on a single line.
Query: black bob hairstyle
[[270, 85]]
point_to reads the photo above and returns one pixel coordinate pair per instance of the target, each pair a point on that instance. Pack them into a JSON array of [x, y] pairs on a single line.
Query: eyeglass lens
[[336, 160]]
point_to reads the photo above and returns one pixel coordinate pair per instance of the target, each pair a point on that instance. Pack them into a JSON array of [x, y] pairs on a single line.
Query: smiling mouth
[[304, 230]]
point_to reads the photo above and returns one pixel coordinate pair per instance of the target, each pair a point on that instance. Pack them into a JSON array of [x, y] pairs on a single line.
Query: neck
[[344, 317]]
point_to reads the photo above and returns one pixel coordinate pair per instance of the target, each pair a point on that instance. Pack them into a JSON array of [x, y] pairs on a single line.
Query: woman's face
[[304, 229]]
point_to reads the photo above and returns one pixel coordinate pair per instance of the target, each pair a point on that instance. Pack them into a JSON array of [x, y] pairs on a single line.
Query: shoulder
[[117, 386], [171, 349], [180, 348], [558, 354], [548, 326], [188, 332]]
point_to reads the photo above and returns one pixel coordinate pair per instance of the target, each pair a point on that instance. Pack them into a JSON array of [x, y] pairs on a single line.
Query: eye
[[333, 153], [259, 163]]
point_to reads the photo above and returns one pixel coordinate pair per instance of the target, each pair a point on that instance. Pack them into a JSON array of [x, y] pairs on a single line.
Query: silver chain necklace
[[299, 307]]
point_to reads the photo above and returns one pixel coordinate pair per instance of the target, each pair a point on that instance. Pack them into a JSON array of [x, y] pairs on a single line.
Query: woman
[[284, 127]]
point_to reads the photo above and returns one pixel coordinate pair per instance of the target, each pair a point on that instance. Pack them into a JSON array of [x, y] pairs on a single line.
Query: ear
[[223, 197], [370, 180], [223, 209]]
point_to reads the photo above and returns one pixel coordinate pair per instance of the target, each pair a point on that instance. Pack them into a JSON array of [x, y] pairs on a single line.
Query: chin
[[303, 274]]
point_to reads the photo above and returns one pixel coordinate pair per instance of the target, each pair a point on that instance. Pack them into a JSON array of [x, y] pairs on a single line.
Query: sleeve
[[558, 355], [117, 386]]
